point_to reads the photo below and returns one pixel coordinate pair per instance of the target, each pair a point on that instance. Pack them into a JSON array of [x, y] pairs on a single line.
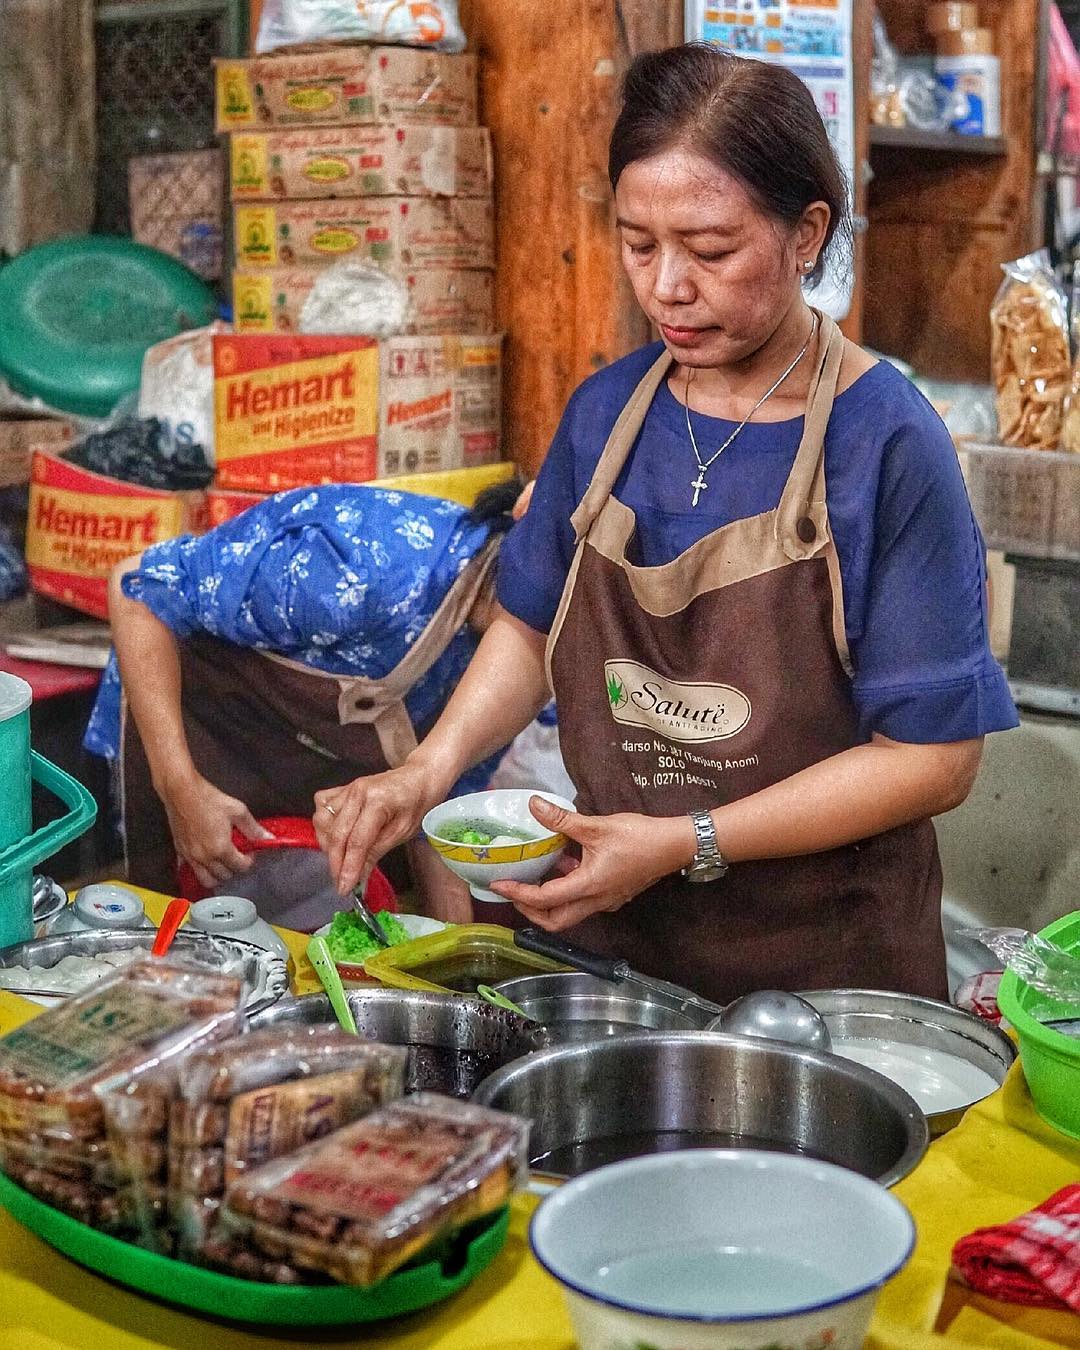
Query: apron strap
[[800, 519], [618, 447], [367, 700]]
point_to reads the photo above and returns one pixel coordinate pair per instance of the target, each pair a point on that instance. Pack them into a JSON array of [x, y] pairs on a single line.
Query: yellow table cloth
[[1001, 1160]]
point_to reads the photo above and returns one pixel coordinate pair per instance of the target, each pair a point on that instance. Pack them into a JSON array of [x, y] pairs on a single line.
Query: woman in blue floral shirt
[[313, 638]]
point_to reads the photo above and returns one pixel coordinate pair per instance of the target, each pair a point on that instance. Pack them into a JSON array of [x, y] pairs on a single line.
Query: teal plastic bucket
[[21, 849]]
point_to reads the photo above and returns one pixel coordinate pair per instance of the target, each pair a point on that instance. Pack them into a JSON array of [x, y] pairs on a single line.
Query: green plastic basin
[[77, 315], [1051, 1061]]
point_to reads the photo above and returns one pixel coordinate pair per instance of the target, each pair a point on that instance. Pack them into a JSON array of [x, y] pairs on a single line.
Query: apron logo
[[639, 697]]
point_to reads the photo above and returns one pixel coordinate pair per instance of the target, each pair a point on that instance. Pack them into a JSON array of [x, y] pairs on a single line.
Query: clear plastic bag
[[82, 1101], [407, 23], [248, 1101], [1029, 353], [368, 1198]]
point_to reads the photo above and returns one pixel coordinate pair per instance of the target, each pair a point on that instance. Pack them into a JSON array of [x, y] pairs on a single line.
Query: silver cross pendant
[[699, 485]]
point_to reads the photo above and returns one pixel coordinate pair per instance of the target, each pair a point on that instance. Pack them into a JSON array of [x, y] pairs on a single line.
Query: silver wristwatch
[[708, 863]]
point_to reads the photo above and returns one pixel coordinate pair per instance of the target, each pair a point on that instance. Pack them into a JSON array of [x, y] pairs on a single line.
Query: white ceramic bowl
[[530, 860], [718, 1249]]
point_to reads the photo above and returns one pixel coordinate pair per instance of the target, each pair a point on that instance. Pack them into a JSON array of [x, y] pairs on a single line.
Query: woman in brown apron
[[215, 734], [748, 815]]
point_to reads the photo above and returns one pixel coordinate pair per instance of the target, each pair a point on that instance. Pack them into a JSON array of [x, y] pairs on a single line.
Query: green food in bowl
[[350, 941], [480, 832]]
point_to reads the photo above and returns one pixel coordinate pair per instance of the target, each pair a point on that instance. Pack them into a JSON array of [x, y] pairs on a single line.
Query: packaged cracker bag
[[1029, 353]]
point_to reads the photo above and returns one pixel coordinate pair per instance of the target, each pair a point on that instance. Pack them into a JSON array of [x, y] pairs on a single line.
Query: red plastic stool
[[310, 879]]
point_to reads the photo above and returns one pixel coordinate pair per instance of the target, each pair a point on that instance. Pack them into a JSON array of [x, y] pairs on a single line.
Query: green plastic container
[[446, 1269], [20, 848], [1051, 1061], [77, 315]]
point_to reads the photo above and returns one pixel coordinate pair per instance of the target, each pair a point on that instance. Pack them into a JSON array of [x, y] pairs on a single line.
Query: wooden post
[[549, 83]]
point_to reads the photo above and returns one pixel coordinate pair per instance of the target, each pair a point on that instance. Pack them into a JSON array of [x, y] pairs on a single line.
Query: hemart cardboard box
[[395, 232], [292, 411], [81, 524], [343, 86], [383, 161], [440, 300]]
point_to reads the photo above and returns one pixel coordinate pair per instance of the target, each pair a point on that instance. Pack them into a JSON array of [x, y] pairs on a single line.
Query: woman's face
[[713, 273]]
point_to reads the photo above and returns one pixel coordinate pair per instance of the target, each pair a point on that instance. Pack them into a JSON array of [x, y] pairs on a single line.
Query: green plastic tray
[[459, 1260]]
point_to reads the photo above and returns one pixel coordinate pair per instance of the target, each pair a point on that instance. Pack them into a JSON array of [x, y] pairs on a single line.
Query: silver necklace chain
[[699, 485]]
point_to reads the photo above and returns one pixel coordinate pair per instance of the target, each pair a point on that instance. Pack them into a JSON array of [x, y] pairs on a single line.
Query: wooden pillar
[[549, 84]]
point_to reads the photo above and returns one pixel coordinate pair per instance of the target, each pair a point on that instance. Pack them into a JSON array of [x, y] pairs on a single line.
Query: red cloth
[[1034, 1259], [47, 680]]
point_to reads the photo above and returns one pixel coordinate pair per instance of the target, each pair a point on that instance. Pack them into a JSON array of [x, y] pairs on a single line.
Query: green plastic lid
[[77, 315]]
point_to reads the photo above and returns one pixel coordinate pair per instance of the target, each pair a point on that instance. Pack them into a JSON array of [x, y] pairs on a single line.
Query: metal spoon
[[367, 918], [776, 1016]]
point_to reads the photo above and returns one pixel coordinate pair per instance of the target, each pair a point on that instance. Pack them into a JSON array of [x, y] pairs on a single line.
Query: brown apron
[[696, 683], [272, 732]]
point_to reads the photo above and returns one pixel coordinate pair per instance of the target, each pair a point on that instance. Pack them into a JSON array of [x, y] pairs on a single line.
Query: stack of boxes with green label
[[372, 155]]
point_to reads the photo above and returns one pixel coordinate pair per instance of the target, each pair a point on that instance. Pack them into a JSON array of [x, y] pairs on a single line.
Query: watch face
[[705, 871]]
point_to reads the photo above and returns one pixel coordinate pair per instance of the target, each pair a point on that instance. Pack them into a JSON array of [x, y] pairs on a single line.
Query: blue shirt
[[912, 559], [342, 578]]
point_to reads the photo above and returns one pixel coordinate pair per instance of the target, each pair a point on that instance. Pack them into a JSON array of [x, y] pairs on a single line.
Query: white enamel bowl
[[480, 865], [721, 1249]]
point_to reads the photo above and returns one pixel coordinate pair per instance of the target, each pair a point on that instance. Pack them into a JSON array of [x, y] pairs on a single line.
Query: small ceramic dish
[[713, 1249], [522, 849]]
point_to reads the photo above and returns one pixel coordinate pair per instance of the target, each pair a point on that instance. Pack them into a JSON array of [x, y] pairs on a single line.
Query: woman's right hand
[[202, 819], [358, 823]]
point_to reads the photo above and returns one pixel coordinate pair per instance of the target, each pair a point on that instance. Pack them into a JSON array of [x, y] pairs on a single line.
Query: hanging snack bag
[[302, 23], [1029, 353], [246, 1101]]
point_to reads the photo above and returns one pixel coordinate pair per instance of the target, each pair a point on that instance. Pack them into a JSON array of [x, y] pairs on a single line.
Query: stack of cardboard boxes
[[371, 154]]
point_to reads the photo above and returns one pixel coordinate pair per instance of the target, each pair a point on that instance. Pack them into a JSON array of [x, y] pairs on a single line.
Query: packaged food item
[[380, 161], [366, 1199], [247, 1101], [951, 16], [62, 1074], [1029, 353], [346, 86], [398, 233], [296, 23]]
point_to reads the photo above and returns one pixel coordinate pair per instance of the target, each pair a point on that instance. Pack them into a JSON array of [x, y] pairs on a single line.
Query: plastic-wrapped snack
[[293, 23], [58, 1071], [1030, 353], [55, 1068], [247, 1101], [365, 1200]]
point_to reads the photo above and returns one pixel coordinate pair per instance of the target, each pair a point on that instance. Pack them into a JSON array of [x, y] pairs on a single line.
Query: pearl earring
[[808, 265]]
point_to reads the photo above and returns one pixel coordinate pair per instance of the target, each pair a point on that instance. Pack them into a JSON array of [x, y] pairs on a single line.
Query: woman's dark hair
[[493, 506], [756, 121]]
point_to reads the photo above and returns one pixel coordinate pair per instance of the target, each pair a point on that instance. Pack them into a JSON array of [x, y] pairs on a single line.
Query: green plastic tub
[[1051, 1061]]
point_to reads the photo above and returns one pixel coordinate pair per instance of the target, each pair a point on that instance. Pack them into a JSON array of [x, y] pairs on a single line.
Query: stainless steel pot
[[864, 1014], [453, 1042], [577, 1007], [650, 1091]]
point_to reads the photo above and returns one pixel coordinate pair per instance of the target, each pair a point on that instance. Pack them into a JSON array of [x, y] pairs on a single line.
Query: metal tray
[[871, 1013], [265, 975], [579, 1007]]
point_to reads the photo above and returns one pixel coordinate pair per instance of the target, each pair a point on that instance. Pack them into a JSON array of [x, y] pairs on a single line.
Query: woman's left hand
[[621, 856]]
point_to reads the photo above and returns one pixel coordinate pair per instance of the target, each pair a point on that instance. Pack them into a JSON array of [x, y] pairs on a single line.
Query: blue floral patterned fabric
[[341, 578]]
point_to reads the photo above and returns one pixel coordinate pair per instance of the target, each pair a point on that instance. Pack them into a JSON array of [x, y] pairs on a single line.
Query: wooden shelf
[[950, 142]]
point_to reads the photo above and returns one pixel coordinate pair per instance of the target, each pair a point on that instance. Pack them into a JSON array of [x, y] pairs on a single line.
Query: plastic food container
[[1051, 1061], [456, 960]]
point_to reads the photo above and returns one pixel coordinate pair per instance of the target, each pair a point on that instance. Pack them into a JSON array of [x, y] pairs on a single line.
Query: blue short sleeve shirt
[[912, 561]]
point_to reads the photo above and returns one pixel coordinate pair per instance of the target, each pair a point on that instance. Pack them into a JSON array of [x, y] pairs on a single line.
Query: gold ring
[[331, 809]]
